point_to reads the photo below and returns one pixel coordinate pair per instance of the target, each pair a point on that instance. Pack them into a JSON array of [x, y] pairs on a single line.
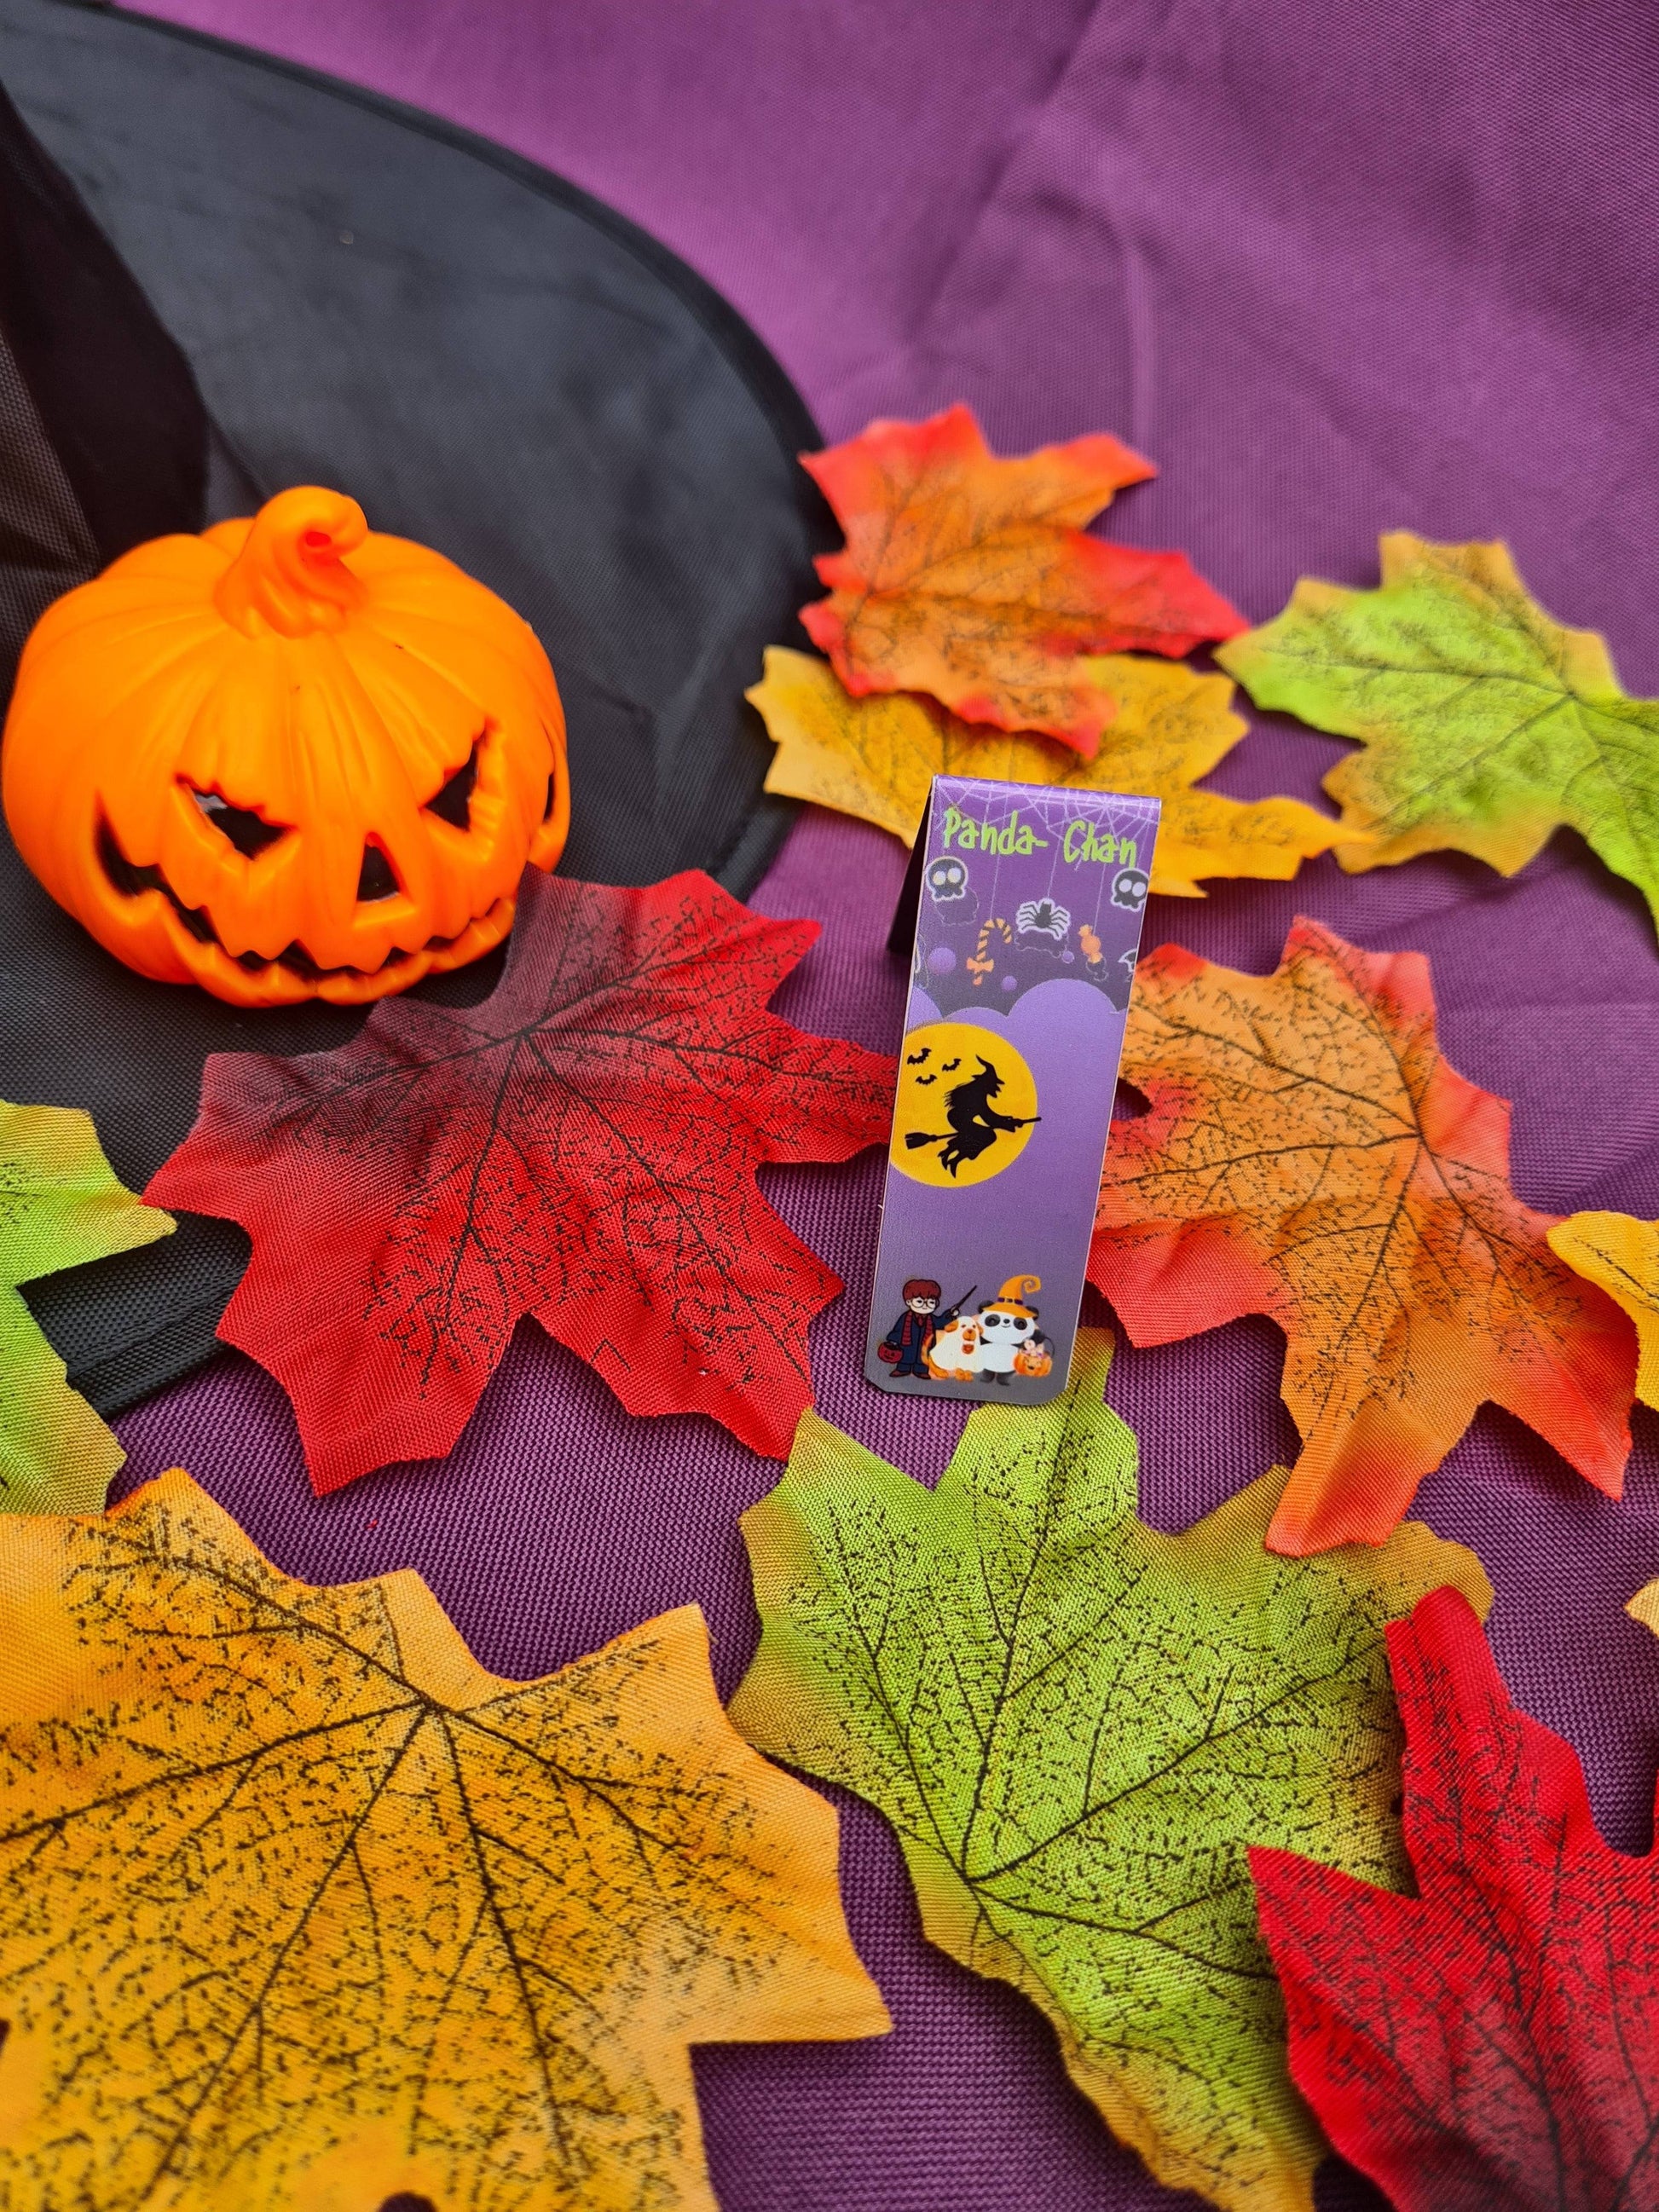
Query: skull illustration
[[947, 879], [1130, 887]]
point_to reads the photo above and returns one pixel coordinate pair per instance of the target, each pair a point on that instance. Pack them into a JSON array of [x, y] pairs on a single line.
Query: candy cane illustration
[[980, 962]]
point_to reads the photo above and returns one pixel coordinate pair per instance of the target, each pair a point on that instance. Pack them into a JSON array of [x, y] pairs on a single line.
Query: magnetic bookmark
[[1028, 901]]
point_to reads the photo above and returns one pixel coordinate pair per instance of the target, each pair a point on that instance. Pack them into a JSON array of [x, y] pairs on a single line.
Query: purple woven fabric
[[1339, 268]]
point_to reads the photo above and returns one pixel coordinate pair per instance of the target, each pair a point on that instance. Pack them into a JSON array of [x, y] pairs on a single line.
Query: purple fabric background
[[1338, 268]]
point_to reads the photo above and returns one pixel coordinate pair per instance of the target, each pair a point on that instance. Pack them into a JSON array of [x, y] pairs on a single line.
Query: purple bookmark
[[1028, 905]]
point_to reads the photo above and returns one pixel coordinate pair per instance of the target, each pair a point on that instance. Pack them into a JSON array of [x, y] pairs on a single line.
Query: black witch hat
[[221, 275]]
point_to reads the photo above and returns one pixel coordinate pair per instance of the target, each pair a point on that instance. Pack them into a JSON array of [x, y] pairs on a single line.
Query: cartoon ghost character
[[947, 879], [954, 1354], [1011, 1342]]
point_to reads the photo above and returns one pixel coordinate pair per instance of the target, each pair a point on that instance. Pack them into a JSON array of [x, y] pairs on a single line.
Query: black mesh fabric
[[103, 435], [45, 544], [488, 359]]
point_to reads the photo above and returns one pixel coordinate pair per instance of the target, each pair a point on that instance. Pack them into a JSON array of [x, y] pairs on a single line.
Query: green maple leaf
[[1485, 725], [1077, 1724], [59, 1205]]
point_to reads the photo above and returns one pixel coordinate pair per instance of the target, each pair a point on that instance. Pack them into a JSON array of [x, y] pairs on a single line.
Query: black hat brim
[[490, 360]]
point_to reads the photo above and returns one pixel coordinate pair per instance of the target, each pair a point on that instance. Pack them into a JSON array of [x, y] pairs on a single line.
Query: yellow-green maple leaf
[[302, 1907], [1484, 724], [60, 1205], [1078, 1725], [875, 757]]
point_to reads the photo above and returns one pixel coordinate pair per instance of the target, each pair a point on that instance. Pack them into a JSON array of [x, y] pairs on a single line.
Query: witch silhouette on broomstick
[[975, 1124]]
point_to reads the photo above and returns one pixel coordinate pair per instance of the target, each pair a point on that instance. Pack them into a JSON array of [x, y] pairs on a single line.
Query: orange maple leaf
[[970, 578], [1311, 1156], [303, 1910]]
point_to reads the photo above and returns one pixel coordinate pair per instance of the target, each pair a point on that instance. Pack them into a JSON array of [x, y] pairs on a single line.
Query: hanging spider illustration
[[1042, 918]]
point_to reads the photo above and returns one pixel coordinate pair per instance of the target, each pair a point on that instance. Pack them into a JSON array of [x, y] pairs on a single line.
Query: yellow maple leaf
[[1620, 1255], [303, 1908], [875, 758]]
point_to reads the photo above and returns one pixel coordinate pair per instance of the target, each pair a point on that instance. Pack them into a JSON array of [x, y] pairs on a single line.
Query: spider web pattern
[[1076, 1724], [1311, 1156], [1491, 2044], [302, 1906], [581, 1147]]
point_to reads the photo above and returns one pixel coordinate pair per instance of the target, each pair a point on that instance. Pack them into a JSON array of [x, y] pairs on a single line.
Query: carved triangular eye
[[375, 879], [453, 803], [250, 833]]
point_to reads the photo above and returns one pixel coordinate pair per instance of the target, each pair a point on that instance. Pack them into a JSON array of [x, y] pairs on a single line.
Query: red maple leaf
[[1491, 2044], [580, 1147], [971, 578]]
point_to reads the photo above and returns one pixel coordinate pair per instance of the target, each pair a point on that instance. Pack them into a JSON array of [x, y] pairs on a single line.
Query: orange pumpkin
[[289, 759]]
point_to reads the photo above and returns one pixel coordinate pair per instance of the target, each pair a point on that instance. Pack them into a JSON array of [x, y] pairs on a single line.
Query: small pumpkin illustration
[[291, 758]]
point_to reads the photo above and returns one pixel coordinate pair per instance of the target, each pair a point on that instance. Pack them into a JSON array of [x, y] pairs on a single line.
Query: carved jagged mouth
[[129, 879]]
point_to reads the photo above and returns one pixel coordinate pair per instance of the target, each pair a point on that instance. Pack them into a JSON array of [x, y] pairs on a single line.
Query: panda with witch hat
[[1010, 1341]]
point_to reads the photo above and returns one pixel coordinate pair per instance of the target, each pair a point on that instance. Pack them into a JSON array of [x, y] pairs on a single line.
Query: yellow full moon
[[966, 1104]]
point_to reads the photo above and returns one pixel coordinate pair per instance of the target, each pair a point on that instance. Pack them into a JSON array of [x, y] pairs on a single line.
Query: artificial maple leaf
[[1622, 1255], [1485, 725], [60, 1205], [1311, 1156], [1077, 1724], [876, 759], [304, 1908], [1491, 2043], [580, 1147], [970, 578]]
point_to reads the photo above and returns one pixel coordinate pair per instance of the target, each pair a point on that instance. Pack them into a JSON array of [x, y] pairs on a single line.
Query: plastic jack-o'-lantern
[[289, 759]]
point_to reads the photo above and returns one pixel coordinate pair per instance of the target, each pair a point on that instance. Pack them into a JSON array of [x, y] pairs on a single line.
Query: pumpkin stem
[[289, 575]]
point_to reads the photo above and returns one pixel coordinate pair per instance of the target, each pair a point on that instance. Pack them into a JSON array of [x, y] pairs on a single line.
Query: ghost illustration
[[953, 1355]]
